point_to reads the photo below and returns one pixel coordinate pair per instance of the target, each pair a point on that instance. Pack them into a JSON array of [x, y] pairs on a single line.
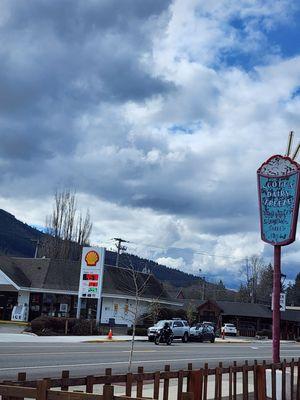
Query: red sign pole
[[276, 304], [279, 197]]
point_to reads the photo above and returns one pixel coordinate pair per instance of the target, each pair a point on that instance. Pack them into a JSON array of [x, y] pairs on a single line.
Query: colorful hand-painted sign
[[91, 275], [278, 189]]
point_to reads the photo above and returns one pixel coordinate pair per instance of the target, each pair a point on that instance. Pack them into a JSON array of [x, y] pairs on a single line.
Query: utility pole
[[120, 248], [37, 241], [203, 290], [203, 284]]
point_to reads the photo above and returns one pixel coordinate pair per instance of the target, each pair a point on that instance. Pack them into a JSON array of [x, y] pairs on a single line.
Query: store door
[[35, 305], [7, 302]]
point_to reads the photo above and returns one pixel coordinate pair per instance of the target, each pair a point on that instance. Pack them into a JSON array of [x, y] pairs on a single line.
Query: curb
[[17, 323], [106, 341]]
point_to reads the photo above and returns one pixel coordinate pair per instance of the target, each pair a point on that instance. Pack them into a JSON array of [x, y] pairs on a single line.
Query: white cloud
[[177, 263], [161, 138]]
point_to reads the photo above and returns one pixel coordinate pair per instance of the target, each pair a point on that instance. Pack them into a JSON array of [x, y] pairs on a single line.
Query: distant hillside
[[16, 240], [163, 273], [16, 237]]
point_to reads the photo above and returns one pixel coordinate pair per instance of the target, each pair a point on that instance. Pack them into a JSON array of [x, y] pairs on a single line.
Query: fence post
[[156, 385], [261, 382], [166, 383], [108, 392], [41, 389], [196, 384], [22, 376], [187, 396], [6, 397], [139, 384], [108, 374], [64, 380], [128, 384], [188, 381], [298, 379], [90, 383]]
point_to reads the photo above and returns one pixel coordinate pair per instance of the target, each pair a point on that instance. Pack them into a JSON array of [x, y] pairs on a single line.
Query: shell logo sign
[[92, 258], [91, 274]]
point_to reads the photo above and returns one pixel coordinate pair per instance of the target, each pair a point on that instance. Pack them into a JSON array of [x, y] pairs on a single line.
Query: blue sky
[[158, 113]]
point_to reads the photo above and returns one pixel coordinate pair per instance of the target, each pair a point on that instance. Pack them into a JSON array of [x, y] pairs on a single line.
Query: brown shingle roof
[[11, 269], [45, 273]]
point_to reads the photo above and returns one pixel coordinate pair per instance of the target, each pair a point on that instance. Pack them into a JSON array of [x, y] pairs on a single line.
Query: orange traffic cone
[[110, 334]]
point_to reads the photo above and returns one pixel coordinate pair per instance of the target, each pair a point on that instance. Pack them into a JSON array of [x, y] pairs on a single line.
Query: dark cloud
[[60, 61], [83, 104]]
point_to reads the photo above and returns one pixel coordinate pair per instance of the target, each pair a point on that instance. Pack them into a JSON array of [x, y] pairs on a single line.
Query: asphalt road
[[81, 359]]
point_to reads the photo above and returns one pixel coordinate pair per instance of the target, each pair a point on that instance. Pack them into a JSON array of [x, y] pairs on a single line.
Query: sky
[[158, 113]]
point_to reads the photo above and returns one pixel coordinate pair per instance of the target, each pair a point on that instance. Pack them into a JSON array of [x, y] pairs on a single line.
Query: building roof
[[238, 309], [61, 275], [290, 315], [13, 272], [244, 309]]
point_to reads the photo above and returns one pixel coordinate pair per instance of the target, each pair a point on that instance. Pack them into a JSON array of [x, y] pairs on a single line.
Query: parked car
[[229, 329], [180, 329], [208, 323], [202, 333]]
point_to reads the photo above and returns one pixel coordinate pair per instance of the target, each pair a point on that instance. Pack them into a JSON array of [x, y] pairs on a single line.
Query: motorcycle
[[161, 337]]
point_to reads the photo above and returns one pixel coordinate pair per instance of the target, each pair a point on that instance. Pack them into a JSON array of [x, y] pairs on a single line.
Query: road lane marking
[[122, 344], [139, 351], [136, 362]]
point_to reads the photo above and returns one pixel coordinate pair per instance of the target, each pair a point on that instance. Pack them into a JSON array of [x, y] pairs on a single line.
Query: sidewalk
[[31, 338]]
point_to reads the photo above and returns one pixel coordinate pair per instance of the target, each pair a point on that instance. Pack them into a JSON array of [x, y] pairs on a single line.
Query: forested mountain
[[19, 239], [16, 238]]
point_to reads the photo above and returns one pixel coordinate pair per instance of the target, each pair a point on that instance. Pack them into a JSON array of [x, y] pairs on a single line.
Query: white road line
[[135, 362], [78, 345], [117, 352]]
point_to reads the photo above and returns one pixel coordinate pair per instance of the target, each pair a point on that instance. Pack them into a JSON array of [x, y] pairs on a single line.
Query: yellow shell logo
[[91, 258]]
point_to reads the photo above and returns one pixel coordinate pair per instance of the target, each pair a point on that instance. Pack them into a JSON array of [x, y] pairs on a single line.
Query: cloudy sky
[[157, 112]]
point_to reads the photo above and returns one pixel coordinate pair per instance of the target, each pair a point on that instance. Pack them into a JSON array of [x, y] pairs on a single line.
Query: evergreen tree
[[265, 285], [243, 295]]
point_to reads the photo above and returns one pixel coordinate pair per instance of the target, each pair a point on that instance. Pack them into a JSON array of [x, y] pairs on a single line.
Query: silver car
[[180, 329]]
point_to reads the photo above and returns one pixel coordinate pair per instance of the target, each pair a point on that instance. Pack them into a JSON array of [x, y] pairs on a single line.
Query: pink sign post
[[279, 191]]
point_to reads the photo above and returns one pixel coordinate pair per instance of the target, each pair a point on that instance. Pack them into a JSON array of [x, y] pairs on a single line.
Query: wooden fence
[[245, 382]]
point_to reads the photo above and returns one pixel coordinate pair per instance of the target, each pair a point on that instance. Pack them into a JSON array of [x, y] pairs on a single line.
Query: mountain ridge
[[18, 239]]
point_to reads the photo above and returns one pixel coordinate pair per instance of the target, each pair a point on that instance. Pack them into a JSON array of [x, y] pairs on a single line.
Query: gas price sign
[[91, 276]]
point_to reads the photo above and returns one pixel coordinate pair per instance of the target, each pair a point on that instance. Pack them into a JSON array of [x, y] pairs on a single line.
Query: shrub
[[40, 323], [84, 327], [45, 325], [139, 331], [265, 332]]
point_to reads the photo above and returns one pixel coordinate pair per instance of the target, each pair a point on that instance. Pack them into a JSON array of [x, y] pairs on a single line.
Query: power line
[[194, 251]]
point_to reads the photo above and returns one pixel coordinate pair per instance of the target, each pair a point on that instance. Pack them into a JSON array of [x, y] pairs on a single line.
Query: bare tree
[[136, 285], [154, 310], [252, 271], [67, 229], [190, 312]]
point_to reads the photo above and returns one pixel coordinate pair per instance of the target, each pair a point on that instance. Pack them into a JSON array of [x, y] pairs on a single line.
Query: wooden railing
[[235, 382]]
